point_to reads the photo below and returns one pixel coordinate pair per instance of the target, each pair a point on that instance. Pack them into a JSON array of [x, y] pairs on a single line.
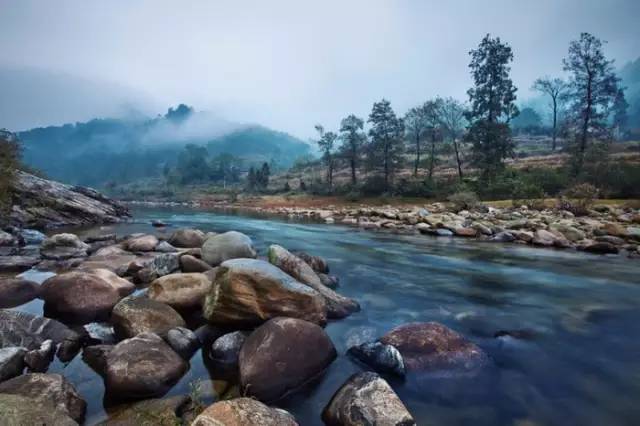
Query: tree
[[491, 105], [192, 165], [527, 120], [326, 144], [555, 88], [415, 123], [262, 176], [353, 139], [592, 91], [252, 180], [452, 118], [9, 163], [620, 117], [433, 128], [386, 147]]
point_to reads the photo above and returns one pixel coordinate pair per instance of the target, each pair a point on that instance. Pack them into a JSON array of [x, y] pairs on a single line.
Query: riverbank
[[609, 227]]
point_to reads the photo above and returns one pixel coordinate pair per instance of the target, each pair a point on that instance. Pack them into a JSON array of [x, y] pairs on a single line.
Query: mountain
[[102, 151]]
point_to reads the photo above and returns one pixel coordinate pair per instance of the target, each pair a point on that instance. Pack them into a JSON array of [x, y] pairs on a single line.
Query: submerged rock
[[435, 349], [230, 245], [225, 351], [142, 367], [248, 292], [183, 341], [382, 358], [181, 291], [137, 314], [282, 355], [45, 389], [366, 399], [17, 291], [317, 263], [243, 412], [337, 306]]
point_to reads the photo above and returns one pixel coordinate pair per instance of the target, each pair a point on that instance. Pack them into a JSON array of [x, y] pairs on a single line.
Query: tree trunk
[[417, 163], [555, 124], [585, 127], [455, 148], [433, 156], [386, 166], [352, 161]]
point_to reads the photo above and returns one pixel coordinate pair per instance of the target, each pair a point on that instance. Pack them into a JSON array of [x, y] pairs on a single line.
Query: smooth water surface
[[578, 365]]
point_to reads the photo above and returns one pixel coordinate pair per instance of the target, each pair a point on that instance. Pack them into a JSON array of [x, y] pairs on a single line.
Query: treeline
[[588, 110], [194, 165]]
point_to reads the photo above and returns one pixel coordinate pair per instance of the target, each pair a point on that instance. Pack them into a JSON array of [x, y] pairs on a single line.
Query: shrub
[[528, 194], [466, 200], [578, 199]]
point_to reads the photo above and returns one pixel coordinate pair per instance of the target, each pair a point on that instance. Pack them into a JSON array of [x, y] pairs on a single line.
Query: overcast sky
[[284, 64]]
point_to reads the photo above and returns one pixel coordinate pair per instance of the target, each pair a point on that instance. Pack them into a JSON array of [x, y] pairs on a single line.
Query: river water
[[576, 360]]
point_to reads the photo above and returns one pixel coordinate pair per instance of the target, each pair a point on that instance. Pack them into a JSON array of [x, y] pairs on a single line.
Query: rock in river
[[138, 314], [282, 355], [190, 263], [11, 362], [366, 399], [19, 410], [433, 348], [183, 341], [187, 238], [63, 246], [79, 297], [142, 367], [337, 306], [230, 245], [248, 292], [382, 358], [17, 291], [224, 352], [181, 291], [45, 389], [243, 412]]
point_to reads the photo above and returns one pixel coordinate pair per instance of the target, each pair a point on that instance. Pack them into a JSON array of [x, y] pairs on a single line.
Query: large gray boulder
[[142, 243], [11, 362], [17, 291], [187, 238], [79, 297], [243, 412], [48, 389], [180, 291], [338, 306], [142, 367], [281, 355], [138, 314], [19, 410], [63, 246], [230, 245], [382, 358], [366, 399], [247, 292]]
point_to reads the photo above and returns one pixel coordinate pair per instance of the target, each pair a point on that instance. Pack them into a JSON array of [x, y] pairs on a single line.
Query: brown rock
[[16, 291], [243, 412], [187, 238], [190, 263], [142, 243], [180, 291], [135, 315]]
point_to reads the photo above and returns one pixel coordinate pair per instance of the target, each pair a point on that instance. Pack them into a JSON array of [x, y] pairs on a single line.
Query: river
[[577, 361]]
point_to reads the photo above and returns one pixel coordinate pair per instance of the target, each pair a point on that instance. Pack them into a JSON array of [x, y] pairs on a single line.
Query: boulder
[[30, 332], [45, 389], [32, 236], [543, 238], [38, 360], [503, 237], [247, 292], [337, 306], [382, 358], [138, 314], [164, 412], [224, 352], [95, 356], [165, 247], [142, 243], [180, 291], [183, 341], [190, 263], [17, 263], [17, 291], [230, 245], [159, 266], [243, 412], [330, 281], [615, 229], [187, 238], [63, 246], [19, 410], [435, 349], [317, 263], [122, 286], [11, 362], [465, 232], [601, 247], [366, 399], [6, 239], [142, 367], [79, 297], [282, 355]]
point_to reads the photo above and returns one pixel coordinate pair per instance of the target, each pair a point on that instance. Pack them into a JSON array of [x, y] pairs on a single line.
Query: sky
[[286, 64]]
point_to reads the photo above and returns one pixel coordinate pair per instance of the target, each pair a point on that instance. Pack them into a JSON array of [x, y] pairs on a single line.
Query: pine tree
[[353, 139], [492, 105], [386, 147], [326, 144], [415, 122]]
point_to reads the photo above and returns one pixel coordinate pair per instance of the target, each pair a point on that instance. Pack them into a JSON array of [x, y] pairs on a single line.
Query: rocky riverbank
[[136, 308], [604, 229]]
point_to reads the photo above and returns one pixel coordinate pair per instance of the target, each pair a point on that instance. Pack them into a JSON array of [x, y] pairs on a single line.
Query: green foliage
[[465, 200], [326, 144], [9, 163], [386, 148], [529, 194], [353, 139], [578, 199], [258, 179]]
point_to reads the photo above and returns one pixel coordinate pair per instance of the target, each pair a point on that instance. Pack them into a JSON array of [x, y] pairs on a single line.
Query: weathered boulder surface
[[382, 358], [181, 291], [17, 263], [225, 351], [187, 238], [63, 246], [79, 297], [38, 360], [338, 306], [122, 286], [138, 314], [366, 399], [282, 355], [317, 263], [183, 341], [17, 291], [11, 362], [248, 292], [19, 410], [142, 243], [30, 331], [230, 245], [42, 203], [142, 367], [243, 412], [433, 348], [165, 411], [48, 389], [6, 239], [190, 263]]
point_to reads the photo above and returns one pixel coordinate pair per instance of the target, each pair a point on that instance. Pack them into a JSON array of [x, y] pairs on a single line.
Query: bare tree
[[556, 89], [415, 124], [451, 115]]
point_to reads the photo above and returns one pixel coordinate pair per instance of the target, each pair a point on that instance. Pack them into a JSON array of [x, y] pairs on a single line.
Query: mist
[[284, 64]]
